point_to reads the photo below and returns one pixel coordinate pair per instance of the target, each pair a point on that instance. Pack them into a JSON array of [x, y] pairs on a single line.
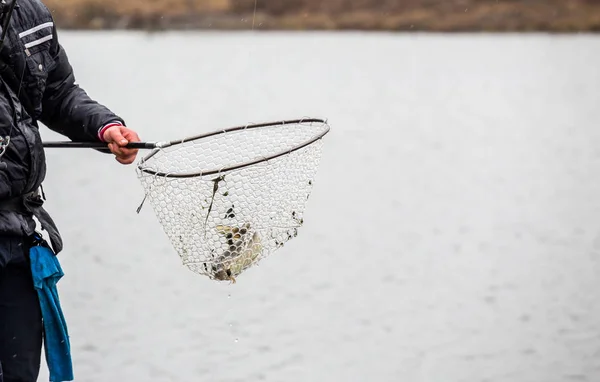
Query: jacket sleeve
[[66, 107]]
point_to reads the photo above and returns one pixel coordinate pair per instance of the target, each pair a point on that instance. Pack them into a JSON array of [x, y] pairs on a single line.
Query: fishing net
[[228, 199]]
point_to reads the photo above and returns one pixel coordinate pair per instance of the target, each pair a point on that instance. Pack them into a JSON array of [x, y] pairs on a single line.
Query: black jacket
[[33, 52]]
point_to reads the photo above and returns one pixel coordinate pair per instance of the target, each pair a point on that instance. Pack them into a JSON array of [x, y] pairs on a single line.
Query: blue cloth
[[46, 272]]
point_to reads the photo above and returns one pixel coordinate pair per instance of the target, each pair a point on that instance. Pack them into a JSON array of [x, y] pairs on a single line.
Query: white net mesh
[[220, 220]]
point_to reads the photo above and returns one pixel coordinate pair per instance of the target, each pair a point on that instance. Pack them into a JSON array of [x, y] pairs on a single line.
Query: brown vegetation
[[395, 15]]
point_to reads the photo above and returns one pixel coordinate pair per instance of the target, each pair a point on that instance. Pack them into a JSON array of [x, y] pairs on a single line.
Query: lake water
[[453, 233]]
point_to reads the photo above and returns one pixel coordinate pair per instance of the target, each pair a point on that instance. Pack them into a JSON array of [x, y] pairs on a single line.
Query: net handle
[[155, 145], [99, 145]]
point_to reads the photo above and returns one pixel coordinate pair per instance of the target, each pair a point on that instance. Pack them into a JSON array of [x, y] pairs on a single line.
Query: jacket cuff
[[105, 127]]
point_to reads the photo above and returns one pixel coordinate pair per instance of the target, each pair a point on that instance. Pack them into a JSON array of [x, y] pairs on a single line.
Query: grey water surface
[[453, 233]]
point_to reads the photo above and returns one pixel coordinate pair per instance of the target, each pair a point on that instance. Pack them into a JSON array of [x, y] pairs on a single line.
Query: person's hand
[[117, 138]]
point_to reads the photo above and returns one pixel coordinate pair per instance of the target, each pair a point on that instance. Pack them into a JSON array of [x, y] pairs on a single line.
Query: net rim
[[308, 142]]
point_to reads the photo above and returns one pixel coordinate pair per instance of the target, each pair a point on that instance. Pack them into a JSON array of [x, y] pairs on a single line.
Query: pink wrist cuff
[[106, 127]]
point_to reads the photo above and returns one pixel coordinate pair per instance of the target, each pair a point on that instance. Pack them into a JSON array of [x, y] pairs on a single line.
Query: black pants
[[20, 314]]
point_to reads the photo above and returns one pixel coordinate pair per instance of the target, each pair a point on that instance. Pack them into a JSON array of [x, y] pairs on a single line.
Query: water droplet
[[236, 340], [229, 295]]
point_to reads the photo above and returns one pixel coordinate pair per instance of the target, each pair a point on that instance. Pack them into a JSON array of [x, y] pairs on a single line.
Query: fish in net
[[228, 199]]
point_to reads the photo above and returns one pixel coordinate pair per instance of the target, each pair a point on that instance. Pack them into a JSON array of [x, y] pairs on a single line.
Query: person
[[46, 92]]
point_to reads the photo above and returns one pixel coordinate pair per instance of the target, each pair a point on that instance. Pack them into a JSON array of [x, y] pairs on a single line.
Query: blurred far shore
[[557, 16]]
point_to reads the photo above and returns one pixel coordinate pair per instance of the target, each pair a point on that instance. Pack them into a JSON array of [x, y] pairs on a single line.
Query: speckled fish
[[244, 247]]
